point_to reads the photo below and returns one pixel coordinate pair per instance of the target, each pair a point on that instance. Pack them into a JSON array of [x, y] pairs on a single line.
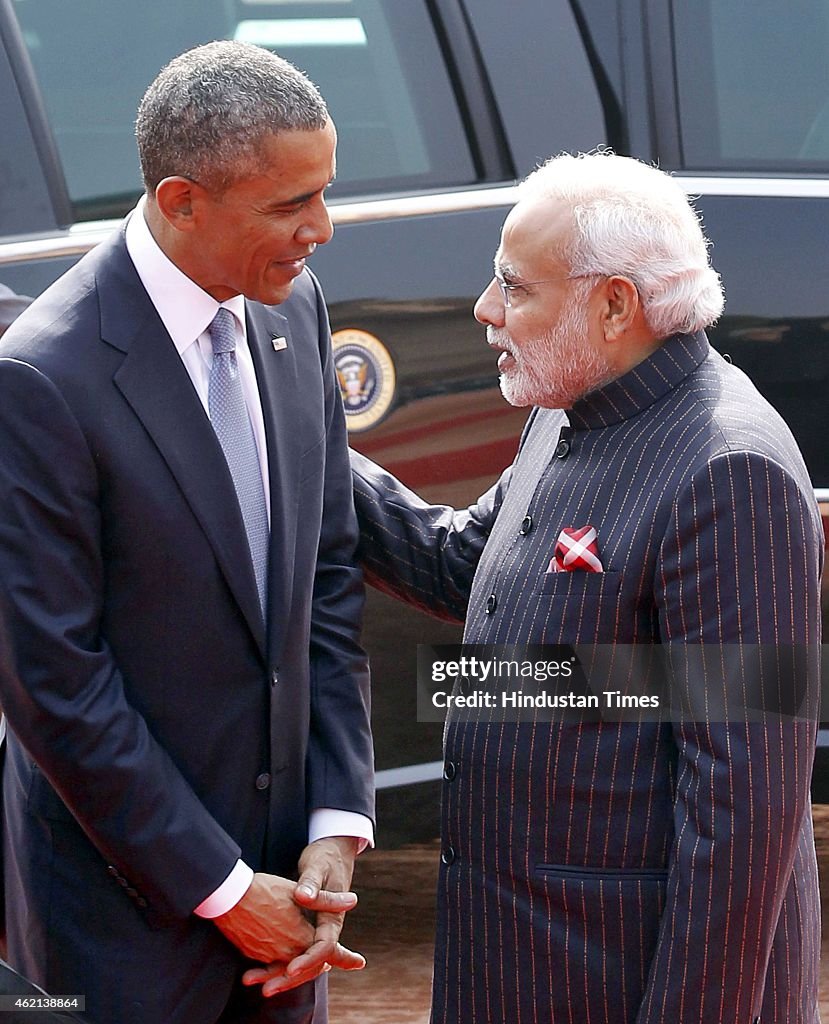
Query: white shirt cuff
[[232, 889], [326, 822]]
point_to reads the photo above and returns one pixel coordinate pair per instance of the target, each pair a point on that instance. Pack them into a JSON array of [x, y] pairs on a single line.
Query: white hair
[[560, 366], [636, 221]]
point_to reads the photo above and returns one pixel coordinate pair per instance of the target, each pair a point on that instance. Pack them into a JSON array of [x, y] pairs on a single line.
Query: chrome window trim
[[82, 237], [409, 775], [773, 187]]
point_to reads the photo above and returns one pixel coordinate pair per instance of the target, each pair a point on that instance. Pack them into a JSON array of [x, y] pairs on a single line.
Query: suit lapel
[[153, 379], [276, 375]]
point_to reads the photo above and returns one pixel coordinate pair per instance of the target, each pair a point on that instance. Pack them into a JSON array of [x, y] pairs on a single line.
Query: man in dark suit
[[186, 695], [653, 870]]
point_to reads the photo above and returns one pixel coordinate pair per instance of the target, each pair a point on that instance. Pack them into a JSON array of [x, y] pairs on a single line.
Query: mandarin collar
[[640, 387]]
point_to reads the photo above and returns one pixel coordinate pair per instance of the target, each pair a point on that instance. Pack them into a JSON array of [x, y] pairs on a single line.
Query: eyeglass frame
[[506, 288]]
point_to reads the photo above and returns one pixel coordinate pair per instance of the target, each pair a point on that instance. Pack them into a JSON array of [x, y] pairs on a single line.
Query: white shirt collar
[[186, 310]]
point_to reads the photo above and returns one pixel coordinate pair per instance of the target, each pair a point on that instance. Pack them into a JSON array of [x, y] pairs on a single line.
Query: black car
[[441, 106]]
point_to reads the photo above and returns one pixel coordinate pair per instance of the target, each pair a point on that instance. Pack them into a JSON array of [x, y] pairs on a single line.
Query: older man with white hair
[[653, 869]]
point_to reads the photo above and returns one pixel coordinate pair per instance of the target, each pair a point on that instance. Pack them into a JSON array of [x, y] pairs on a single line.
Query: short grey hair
[[207, 113], [634, 220]]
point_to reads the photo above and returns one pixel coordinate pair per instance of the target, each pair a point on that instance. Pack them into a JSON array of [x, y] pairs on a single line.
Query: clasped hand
[[293, 928]]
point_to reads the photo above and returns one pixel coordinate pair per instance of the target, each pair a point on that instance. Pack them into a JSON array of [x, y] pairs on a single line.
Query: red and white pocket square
[[576, 550]]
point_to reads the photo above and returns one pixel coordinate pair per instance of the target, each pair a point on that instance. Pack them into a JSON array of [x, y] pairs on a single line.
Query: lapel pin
[[279, 344]]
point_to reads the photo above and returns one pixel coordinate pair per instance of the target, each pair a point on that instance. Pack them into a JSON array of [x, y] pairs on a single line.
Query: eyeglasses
[[508, 287]]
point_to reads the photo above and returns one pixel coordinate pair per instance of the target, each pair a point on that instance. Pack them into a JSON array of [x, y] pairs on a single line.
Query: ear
[[176, 198], [621, 307]]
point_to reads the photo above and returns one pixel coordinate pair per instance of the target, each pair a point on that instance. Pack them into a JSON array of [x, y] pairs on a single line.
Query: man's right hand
[[268, 926]]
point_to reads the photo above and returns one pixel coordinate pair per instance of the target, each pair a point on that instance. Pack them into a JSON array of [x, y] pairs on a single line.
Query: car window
[[753, 84], [377, 62]]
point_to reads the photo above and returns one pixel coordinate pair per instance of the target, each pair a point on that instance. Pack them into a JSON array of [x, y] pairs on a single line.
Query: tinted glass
[[753, 83], [377, 64]]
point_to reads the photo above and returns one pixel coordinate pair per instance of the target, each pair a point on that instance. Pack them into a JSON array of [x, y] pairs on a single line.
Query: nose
[[316, 228], [489, 309]]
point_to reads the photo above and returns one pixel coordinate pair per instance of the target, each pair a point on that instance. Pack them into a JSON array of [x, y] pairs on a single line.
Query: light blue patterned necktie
[[229, 416]]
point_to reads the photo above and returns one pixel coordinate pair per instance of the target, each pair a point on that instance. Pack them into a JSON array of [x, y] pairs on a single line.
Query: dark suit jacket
[[638, 871], [160, 729]]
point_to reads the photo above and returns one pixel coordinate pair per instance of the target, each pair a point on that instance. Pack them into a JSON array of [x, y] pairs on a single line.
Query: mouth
[[496, 340], [294, 265]]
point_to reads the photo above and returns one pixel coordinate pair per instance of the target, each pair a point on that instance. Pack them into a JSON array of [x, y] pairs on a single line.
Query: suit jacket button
[[263, 781], [449, 771], [526, 525], [132, 892], [491, 604], [141, 902], [112, 870], [448, 856], [562, 449], [123, 882], [274, 678]]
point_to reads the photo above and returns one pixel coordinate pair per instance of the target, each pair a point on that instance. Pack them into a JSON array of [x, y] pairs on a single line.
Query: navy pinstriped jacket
[[608, 872]]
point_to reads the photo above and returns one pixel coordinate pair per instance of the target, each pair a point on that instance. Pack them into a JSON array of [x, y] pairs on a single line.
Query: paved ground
[[395, 933], [821, 820], [393, 927]]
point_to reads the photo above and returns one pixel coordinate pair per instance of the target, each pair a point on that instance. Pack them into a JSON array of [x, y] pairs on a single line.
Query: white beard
[[557, 368]]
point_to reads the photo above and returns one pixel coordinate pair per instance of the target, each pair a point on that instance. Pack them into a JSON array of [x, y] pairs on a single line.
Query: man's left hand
[[326, 866]]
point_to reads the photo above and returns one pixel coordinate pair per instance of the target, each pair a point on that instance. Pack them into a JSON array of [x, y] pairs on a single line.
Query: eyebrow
[[505, 270]]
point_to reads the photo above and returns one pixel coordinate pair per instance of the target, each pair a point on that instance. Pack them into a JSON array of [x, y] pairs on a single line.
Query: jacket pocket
[[598, 929], [579, 584], [594, 874]]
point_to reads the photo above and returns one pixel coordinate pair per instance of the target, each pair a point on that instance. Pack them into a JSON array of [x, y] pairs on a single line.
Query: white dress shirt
[[187, 311]]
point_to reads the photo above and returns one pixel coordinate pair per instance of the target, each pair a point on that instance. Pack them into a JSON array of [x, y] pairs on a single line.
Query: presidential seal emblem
[[367, 379]]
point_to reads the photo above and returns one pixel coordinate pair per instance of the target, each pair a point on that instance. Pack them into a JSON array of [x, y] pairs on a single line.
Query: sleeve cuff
[[326, 822], [225, 898]]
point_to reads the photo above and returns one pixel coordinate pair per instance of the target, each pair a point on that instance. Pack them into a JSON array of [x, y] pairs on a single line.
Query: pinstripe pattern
[[600, 868]]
